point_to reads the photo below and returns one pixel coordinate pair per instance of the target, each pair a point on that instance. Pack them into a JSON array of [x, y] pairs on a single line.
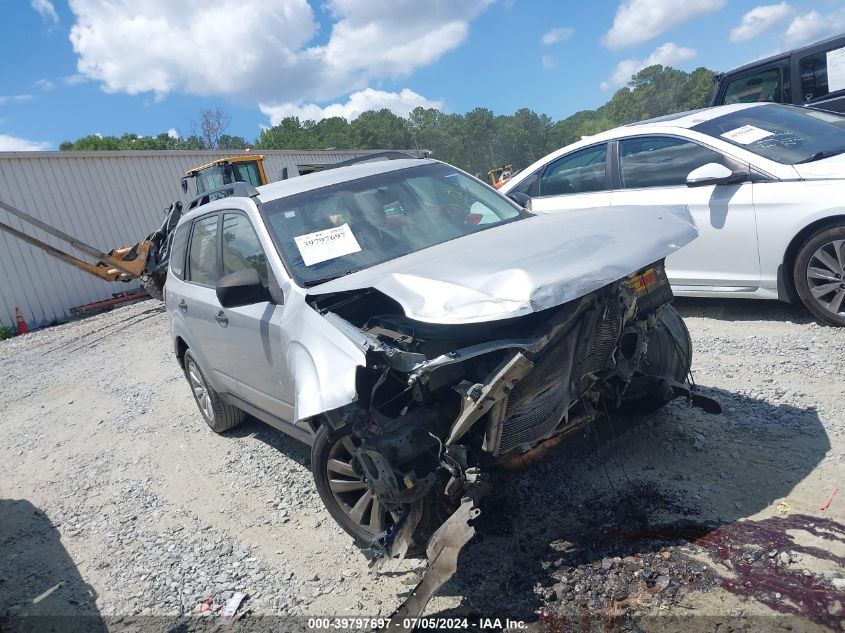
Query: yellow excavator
[[500, 175], [146, 260]]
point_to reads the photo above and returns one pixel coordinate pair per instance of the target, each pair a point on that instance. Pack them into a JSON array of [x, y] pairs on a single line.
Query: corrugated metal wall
[[105, 199]]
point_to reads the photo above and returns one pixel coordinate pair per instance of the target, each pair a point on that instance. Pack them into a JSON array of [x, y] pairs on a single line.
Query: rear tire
[[819, 274], [219, 416], [348, 498]]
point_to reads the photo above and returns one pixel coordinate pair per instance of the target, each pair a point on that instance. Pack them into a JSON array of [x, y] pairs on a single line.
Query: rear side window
[[822, 73], [202, 254], [241, 248], [661, 161], [580, 172], [764, 85], [177, 250]]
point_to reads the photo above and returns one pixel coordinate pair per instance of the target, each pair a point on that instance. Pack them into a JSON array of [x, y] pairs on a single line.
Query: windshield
[[350, 226], [784, 134]]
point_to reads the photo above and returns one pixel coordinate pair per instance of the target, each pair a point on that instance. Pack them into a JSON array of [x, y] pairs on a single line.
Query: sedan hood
[[525, 266], [827, 168]]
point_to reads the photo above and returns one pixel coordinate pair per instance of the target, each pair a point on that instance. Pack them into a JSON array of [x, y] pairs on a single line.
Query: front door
[[653, 171], [252, 338]]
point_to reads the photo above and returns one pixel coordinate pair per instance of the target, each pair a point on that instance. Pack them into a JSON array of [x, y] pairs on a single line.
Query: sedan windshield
[[337, 230], [784, 134]]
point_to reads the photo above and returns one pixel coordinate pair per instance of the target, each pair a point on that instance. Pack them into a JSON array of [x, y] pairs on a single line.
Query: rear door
[[198, 301], [578, 180], [653, 170], [819, 76], [251, 337]]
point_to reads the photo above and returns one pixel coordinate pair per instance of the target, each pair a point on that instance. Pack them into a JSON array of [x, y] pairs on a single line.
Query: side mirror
[[712, 174], [184, 185], [522, 199], [241, 288]]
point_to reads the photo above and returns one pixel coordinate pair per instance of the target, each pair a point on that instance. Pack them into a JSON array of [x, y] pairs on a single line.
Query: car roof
[[318, 180], [781, 56], [685, 119], [328, 177]]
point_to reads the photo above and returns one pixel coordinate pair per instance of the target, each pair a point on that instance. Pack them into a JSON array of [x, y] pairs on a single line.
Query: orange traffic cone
[[23, 328]]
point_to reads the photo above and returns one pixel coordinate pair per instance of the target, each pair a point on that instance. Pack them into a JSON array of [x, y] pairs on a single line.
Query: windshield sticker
[[746, 134], [324, 245]]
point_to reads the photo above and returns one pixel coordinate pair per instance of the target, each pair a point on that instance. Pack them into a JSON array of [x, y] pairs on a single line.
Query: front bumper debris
[[442, 551]]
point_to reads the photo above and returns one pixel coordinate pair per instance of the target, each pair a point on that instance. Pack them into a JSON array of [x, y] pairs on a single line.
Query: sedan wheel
[[820, 275], [825, 276]]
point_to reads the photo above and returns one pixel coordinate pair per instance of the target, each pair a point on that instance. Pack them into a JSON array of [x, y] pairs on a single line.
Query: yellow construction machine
[[500, 175], [147, 260]]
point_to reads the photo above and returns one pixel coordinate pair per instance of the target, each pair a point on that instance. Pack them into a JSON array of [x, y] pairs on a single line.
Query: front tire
[[348, 498], [669, 355], [819, 274], [219, 416]]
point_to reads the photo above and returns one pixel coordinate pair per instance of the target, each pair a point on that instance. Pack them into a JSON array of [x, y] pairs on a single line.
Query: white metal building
[[105, 199]]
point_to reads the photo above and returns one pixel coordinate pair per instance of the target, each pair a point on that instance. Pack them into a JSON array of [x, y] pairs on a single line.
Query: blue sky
[[77, 67]]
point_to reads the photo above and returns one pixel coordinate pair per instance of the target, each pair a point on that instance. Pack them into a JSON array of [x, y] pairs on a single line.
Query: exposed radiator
[[604, 338], [538, 402]]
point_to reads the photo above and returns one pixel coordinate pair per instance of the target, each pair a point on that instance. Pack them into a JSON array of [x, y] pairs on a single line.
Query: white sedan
[[765, 183]]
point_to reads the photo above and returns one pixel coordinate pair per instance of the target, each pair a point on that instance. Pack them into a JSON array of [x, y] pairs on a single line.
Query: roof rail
[[232, 190], [388, 155]]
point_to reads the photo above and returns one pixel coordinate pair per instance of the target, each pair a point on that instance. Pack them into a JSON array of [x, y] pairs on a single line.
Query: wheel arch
[[180, 347], [786, 284]]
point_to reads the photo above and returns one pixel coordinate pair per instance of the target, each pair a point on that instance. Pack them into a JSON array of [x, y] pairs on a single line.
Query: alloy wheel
[[352, 493], [200, 391], [826, 276]]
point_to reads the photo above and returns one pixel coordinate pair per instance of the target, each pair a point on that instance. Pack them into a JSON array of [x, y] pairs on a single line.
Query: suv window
[[661, 161], [764, 85], [202, 256], [241, 248], [580, 172], [177, 250], [822, 73]]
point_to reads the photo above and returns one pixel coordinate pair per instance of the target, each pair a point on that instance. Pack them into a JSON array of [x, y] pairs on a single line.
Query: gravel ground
[[117, 501]]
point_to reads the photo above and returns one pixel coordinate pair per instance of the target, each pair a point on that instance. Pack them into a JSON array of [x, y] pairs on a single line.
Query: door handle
[[221, 318], [183, 306]]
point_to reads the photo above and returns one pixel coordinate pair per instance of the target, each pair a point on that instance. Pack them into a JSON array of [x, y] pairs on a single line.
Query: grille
[[538, 402]]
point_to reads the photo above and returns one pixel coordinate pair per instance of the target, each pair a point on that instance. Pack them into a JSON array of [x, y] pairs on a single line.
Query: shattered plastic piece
[[227, 614], [443, 550], [783, 507]]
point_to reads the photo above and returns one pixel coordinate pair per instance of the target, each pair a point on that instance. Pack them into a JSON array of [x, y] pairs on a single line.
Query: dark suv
[[813, 76]]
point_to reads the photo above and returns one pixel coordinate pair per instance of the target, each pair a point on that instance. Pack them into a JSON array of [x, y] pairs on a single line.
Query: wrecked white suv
[[419, 329]]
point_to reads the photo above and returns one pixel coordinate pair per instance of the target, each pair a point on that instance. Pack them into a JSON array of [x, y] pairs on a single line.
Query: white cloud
[[15, 144], [4, 100], [197, 47], [45, 84], [548, 62], [75, 79], [557, 35], [400, 103], [45, 9], [813, 26], [173, 133], [641, 20], [759, 20], [668, 54]]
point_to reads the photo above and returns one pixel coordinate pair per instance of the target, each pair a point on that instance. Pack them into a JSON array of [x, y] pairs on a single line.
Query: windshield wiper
[[323, 280], [828, 153]]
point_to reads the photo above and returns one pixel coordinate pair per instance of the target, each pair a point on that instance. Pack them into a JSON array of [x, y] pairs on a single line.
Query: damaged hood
[[525, 266]]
